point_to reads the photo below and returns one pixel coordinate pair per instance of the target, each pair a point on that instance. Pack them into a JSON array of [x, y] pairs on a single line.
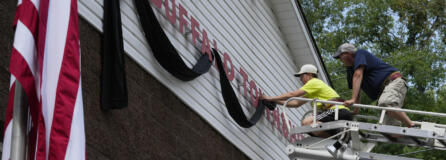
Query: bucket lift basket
[[356, 139]]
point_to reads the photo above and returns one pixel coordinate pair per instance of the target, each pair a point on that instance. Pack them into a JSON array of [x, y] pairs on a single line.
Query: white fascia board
[[317, 60]]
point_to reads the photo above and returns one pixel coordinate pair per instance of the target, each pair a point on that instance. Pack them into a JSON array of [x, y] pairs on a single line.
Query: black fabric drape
[[113, 81], [232, 104], [163, 50], [167, 56]]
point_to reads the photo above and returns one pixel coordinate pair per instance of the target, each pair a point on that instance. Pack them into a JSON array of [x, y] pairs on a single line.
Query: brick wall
[[155, 125]]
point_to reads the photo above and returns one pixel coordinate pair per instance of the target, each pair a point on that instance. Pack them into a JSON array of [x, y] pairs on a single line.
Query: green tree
[[408, 34]]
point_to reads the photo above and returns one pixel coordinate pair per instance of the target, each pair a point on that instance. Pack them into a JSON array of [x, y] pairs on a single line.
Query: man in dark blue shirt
[[377, 79]]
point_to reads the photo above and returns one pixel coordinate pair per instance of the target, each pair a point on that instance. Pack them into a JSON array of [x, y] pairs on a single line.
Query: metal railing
[[383, 109]]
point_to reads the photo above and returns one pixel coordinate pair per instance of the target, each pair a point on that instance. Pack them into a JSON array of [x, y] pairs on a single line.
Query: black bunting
[[113, 82], [163, 50], [167, 56], [231, 101]]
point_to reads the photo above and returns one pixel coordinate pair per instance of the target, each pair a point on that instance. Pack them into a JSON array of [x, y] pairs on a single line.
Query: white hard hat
[[307, 68]]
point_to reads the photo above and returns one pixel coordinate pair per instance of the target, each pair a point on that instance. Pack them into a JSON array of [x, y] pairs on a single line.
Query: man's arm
[[282, 98], [358, 100], [357, 80], [285, 96], [291, 104]]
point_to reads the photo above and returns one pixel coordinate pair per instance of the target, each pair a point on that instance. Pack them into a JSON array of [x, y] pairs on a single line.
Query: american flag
[[45, 59]]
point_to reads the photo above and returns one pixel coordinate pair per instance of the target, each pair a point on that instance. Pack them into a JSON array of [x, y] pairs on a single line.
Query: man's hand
[[348, 103], [265, 97]]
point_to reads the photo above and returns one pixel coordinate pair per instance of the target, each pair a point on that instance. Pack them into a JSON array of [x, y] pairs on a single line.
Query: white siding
[[252, 36], [297, 37]]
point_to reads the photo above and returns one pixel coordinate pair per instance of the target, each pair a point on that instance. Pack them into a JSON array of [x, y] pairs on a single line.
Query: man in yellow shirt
[[314, 88]]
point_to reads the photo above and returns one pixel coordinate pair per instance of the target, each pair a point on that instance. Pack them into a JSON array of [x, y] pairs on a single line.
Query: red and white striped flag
[[45, 59]]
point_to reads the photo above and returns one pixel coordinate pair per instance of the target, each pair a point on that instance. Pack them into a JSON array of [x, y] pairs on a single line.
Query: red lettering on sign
[[157, 3], [226, 61], [276, 119], [205, 46], [274, 116], [267, 113], [215, 44], [194, 26], [182, 14], [292, 137], [284, 127], [172, 17], [245, 79], [254, 97]]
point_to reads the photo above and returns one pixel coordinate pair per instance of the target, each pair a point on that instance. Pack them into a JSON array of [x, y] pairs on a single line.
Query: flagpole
[[19, 123]]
